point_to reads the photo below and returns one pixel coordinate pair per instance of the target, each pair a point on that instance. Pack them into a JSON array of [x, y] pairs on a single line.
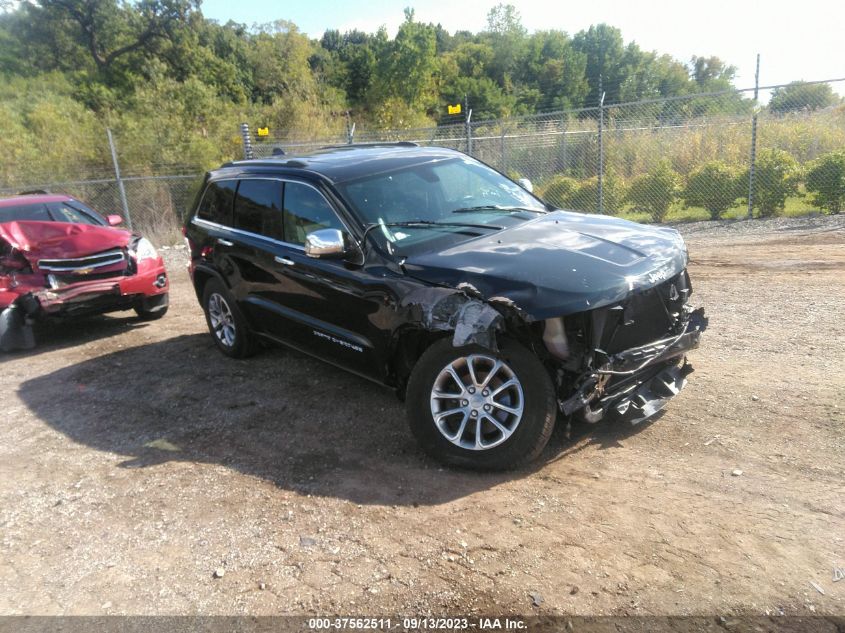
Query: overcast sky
[[796, 40]]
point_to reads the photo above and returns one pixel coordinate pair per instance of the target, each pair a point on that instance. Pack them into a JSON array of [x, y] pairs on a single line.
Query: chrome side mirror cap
[[327, 244], [526, 184]]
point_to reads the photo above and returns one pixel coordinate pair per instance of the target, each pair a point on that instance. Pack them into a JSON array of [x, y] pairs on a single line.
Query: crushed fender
[[445, 309]]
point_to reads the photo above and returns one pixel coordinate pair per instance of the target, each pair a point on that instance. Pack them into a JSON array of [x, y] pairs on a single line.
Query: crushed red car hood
[[37, 240]]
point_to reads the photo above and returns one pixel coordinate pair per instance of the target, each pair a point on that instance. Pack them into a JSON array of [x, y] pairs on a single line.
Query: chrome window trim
[[215, 225], [198, 220]]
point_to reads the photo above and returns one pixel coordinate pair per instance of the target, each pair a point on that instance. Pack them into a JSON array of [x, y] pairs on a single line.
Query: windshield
[[449, 192]]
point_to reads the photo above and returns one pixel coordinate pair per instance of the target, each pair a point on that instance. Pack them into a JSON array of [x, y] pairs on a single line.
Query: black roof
[[347, 162]]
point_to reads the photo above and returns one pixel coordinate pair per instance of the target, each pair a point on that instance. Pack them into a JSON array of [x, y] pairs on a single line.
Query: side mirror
[[114, 219], [526, 184], [327, 244]]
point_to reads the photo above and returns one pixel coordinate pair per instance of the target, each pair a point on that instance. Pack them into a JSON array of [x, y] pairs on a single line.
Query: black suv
[[429, 272]]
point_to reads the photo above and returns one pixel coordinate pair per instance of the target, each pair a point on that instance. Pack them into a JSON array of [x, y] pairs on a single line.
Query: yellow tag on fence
[[264, 131], [454, 109]]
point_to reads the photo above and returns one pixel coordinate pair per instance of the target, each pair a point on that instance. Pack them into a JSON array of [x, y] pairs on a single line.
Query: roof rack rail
[[375, 144]]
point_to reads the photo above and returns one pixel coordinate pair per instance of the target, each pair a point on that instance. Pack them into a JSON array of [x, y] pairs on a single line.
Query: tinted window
[[306, 210], [216, 205], [258, 208], [25, 213], [66, 212]]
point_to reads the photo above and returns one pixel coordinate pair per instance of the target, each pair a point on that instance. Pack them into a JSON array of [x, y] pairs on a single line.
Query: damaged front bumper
[[23, 304], [636, 383]]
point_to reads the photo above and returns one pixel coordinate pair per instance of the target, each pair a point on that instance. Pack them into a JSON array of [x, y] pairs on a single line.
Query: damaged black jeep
[[427, 271]]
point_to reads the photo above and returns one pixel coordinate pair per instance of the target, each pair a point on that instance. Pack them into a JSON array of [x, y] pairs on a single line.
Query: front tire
[[471, 407], [152, 308], [226, 322]]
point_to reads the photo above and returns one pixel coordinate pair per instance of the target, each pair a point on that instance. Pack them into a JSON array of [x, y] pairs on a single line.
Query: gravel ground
[[141, 472]]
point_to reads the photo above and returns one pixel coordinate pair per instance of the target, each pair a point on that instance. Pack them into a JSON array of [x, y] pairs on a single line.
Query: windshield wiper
[[496, 207], [438, 223], [429, 224]]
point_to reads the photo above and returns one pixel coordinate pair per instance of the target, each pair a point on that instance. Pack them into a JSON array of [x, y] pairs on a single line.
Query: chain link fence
[[692, 157], [149, 186]]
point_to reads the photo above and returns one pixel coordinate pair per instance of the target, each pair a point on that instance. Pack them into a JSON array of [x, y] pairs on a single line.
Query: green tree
[[406, 66], [655, 191], [506, 36], [799, 95], [826, 179], [651, 76], [711, 73], [553, 67], [714, 186], [109, 30], [776, 177], [604, 50], [463, 74]]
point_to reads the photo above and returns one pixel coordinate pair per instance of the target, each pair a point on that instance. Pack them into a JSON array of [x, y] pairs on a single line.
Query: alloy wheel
[[222, 320], [477, 402]]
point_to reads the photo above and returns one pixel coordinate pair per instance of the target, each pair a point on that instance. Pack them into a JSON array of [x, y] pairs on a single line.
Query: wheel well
[[201, 278], [410, 344]]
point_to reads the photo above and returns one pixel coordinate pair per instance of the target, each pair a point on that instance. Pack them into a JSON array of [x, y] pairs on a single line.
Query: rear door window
[[258, 208], [25, 213], [216, 204], [306, 210]]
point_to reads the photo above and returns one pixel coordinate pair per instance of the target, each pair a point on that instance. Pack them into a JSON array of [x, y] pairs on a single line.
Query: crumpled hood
[[60, 240], [559, 263]]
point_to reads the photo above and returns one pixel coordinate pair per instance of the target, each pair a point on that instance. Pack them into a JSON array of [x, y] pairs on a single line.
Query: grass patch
[[796, 206]]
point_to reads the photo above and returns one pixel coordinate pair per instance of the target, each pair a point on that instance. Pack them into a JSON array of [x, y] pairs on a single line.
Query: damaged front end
[[628, 359], [18, 306], [52, 269]]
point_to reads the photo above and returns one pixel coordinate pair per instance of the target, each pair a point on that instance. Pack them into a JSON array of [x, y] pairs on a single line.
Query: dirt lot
[[135, 460]]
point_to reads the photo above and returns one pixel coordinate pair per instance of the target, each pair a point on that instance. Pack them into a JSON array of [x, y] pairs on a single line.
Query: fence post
[[601, 150], [563, 145], [350, 130], [468, 125], [119, 180], [246, 141], [504, 163], [753, 158]]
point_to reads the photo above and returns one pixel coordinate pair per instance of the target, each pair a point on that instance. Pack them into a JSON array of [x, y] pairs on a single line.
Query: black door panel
[[333, 309]]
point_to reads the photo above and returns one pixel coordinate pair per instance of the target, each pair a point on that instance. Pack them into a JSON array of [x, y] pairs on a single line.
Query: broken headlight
[[143, 249]]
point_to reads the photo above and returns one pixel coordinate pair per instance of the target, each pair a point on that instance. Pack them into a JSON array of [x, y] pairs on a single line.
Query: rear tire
[[510, 386], [226, 322]]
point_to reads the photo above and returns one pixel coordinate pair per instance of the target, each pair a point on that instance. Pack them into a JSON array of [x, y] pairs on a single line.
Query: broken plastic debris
[[163, 445]]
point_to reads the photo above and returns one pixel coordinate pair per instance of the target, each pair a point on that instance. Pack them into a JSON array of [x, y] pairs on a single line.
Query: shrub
[[826, 179], [713, 186], [776, 177], [558, 189], [586, 196], [656, 191]]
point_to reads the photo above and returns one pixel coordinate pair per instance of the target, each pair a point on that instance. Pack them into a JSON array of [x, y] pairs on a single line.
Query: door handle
[[284, 260], [223, 242]]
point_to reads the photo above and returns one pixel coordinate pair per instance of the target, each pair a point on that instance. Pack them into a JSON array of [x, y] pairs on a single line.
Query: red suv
[[58, 257]]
